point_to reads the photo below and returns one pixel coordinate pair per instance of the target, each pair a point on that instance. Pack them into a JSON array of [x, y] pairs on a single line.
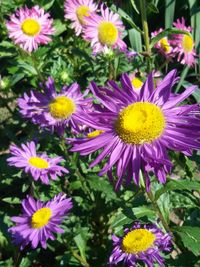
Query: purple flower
[[54, 110], [30, 27], [39, 220], [40, 166], [140, 243], [139, 128]]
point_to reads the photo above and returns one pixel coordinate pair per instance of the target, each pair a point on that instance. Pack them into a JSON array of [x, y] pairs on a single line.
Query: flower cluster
[[177, 45]]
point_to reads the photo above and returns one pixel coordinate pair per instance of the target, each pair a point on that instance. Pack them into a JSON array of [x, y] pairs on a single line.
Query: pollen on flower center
[[95, 133], [140, 122], [187, 43], [137, 83], [137, 241], [81, 12], [107, 33], [41, 217], [165, 45], [38, 162], [62, 107], [30, 27]]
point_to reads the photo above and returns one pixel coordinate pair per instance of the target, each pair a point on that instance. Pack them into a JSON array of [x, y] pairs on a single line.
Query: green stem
[[34, 60], [78, 257], [145, 31], [162, 219]]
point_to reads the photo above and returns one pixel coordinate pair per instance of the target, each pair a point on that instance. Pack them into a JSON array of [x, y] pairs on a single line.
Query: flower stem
[[78, 257], [145, 32], [162, 219]]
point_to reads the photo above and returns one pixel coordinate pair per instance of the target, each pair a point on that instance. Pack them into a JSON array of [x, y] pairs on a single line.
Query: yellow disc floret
[[137, 241], [165, 45], [30, 27], [95, 133], [187, 43], [38, 162], [137, 83], [62, 107], [140, 122], [41, 218], [81, 12], [107, 33]]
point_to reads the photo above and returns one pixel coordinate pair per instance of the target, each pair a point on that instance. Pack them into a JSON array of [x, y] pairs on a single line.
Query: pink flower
[[184, 44], [30, 27], [164, 45], [104, 31], [77, 10]]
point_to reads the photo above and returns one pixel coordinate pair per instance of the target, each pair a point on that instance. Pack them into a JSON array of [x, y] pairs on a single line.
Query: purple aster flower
[[140, 243], [39, 165], [54, 110], [138, 128], [39, 220]]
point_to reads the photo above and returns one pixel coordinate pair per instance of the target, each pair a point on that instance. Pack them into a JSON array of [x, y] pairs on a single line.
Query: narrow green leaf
[[183, 75], [134, 6], [59, 26], [12, 200], [135, 40], [169, 12], [153, 8], [81, 244]]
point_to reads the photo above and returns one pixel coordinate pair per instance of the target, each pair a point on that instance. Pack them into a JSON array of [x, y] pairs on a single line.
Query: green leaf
[[153, 8], [183, 75], [135, 40], [169, 12], [59, 26], [12, 200], [190, 237], [166, 32], [134, 6], [127, 18], [177, 185], [81, 244]]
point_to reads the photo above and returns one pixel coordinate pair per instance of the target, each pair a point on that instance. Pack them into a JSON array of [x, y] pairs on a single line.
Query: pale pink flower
[[77, 10], [184, 44], [30, 27], [104, 31]]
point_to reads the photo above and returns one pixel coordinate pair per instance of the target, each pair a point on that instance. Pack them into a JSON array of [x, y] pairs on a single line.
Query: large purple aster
[[139, 128], [141, 243], [54, 110], [39, 220], [39, 165]]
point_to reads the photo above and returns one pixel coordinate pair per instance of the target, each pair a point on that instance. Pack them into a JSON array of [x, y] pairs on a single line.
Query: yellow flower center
[[81, 12], [62, 107], [95, 133], [107, 33], [187, 43], [41, 218], [137, 83], [38, 162], [137, 241], [140, 122], [165, 45], [30, 27]]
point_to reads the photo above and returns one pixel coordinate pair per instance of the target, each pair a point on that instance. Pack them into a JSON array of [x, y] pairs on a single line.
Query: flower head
[[77, 10], [139, 128], [184, 44], [143, 243], [30, 27], [39, 165], [163, 46], [54, 110], [104, 31], [39, 220]]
